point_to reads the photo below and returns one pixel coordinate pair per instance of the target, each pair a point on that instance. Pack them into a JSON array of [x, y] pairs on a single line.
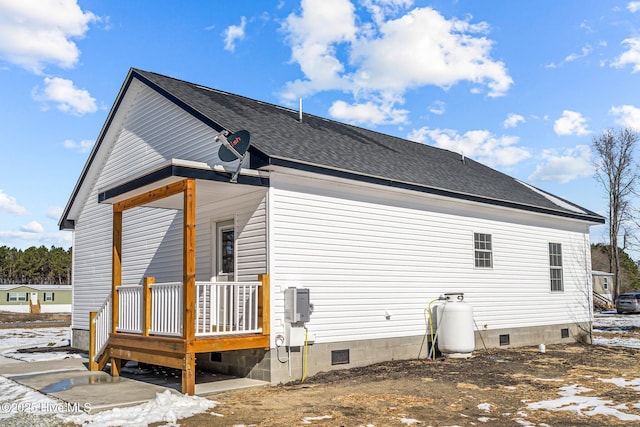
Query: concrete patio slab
[[70, 381]]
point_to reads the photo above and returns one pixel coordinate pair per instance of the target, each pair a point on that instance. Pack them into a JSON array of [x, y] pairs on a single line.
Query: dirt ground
[[33, 320], [493, 388]]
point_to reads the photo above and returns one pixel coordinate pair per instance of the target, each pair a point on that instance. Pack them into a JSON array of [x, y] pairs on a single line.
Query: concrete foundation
[[280, 365], [80, 339]]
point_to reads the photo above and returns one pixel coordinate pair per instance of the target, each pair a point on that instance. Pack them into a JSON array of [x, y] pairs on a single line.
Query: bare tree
[[617, 172]]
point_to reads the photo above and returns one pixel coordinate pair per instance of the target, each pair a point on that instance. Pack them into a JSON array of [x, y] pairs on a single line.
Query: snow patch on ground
[[571, 400], [16, 398], [167, 407]]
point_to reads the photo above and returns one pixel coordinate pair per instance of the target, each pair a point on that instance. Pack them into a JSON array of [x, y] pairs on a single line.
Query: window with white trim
[[225, 251], [17, 296], [48, 296], [555, 267], [483, 252]]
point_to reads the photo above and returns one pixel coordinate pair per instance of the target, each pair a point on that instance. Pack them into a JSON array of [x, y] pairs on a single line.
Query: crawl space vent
[[564, 333], [339, 357], [504, 339]]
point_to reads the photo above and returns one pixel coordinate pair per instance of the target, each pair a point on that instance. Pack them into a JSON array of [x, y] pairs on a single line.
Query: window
[[555, 265], [17, 296], [482, 245], [225, 251], [605, 283], [48, 296]]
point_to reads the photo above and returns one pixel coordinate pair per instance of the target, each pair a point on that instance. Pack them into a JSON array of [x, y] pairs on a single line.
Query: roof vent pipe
[[300, 111]]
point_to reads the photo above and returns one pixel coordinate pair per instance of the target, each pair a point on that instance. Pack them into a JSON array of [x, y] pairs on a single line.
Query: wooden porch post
[[93, 365], [116, 265], [116, 278], [264, 304], [146, 296], [189, 285]]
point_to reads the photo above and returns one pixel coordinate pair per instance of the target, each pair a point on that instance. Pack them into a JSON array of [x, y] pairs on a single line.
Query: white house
[[370, 228]]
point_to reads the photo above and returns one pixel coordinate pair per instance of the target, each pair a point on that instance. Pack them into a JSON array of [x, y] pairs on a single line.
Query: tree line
[[35, 265]]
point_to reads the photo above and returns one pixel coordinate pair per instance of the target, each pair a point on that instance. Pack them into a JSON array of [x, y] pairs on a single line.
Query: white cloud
[[10, 204], [313, 36], [564, 167], [633, 6], [368, 113], [513, 120], [432, 51], [234, 33], [32, 227], [54, 212], [627, 116], [571, 123], [37, 32], [437, 107], [382, 59], [586, 50], [380, 9], [631, 56], [480, 145], [24, 239], [67, 97], [83, 146]]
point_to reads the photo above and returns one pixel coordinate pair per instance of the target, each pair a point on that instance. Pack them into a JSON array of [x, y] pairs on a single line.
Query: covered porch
[[169, 322]]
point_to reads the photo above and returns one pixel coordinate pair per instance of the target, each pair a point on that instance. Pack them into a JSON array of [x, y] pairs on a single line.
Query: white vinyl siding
[[364, 252], [154, 131]]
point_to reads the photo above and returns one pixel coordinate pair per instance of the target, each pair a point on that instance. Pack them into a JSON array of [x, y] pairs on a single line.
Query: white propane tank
[[454, 320]]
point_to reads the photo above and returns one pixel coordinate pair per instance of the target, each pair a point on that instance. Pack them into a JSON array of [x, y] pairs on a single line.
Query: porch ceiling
[[212, 184]]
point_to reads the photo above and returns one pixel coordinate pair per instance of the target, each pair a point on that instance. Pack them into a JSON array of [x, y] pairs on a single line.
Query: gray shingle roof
[[277, 134]]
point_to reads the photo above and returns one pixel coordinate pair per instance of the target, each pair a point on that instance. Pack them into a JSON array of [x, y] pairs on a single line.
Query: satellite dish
[[233, 146]]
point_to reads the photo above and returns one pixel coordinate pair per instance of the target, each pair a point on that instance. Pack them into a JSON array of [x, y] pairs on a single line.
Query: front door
[[225, 251]]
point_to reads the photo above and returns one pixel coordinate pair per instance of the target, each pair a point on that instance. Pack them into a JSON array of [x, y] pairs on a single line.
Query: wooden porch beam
[[151, 343], [145, 356], [230, 342], [152, 195]]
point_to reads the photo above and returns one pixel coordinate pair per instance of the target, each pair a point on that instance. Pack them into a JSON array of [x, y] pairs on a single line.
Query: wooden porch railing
[[227, 308], [99, 330], [149, 324], [129, 309], [221, 308], [166, 309]]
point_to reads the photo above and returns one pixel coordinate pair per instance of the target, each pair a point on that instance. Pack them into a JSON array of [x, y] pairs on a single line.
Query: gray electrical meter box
[[297, 307]]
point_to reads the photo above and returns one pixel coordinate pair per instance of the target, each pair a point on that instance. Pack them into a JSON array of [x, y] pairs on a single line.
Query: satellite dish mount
[[234, 147]]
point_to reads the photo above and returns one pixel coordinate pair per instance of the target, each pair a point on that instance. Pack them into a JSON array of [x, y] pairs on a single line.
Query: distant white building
[[602, 282]]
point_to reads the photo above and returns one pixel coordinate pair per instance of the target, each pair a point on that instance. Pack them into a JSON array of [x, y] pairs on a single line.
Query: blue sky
[[523, 87]]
